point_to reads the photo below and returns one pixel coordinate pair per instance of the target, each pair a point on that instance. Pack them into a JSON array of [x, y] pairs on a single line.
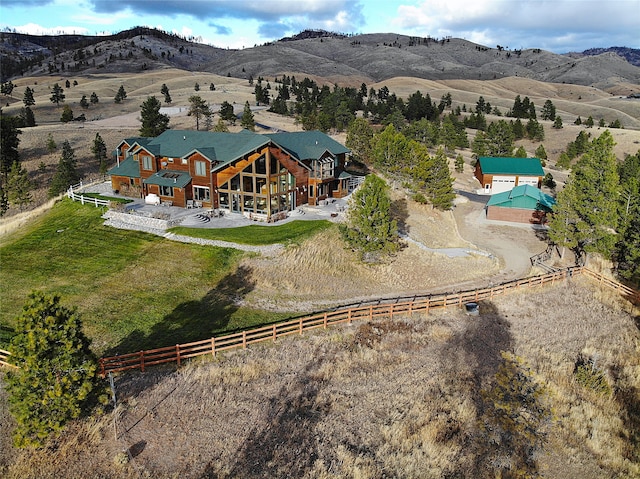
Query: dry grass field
[[392, 398]]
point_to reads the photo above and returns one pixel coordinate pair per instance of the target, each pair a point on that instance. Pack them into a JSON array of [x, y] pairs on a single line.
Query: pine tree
[[57, 94], [247, 120], [199, 109], [4, 202], [153, 122], [500, 139], [94, 98], [165, 91], [221, 127], [28, 99], [57, 371], [66, 172], [99, 150], [67, 114], [227, 113], [9, 142], [359, 136], [19, 186], [84, 103], [548, 110], [371, 231], [585, 216], [27, 117], [121, 94], [440, 190]]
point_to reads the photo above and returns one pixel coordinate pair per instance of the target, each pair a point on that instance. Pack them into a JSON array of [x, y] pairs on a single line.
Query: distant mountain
[[347, 59], [632, 55]]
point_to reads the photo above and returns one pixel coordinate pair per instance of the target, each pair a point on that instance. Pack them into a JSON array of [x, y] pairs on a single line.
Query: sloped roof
[[511, 166], [523, 197], [177, 179], [224, 148], [129, 168], [306, 145]]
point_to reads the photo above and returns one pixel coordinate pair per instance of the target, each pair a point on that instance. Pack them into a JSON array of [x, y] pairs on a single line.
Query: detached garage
[[502, 174], [522, 204]]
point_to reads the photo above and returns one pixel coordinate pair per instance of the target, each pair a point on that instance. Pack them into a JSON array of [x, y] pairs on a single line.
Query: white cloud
[[35, 29]]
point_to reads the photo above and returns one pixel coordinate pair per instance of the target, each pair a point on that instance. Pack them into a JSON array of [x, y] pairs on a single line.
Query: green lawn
[[293, 232], [134, 290]]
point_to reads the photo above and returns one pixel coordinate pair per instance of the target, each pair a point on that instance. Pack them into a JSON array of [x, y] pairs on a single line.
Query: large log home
[[261, 175]]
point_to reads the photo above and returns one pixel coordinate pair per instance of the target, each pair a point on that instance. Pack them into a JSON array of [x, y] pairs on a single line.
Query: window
[[166, 190], [184, 161], [201, 193], [170, 160], [201, 168], [146, 163]]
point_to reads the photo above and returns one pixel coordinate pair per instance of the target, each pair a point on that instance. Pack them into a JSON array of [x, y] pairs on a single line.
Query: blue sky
[[556, 25]]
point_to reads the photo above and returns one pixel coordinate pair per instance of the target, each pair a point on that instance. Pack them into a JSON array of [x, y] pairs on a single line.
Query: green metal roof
[[177, 179], [523, 197], [217, 146], [511, 166], [224, 148], [306, 145], [129, 168]]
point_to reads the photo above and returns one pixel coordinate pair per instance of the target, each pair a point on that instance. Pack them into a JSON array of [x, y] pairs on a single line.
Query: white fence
[[85, 199]]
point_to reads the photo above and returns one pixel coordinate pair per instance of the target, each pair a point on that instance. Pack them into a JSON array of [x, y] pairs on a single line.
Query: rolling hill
[[339, 58]]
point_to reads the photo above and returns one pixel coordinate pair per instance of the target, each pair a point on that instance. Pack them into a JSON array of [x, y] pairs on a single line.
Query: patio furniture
[[152, 199], [189, 204]]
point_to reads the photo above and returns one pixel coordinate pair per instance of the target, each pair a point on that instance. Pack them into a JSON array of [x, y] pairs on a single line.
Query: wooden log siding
[[242, 339]]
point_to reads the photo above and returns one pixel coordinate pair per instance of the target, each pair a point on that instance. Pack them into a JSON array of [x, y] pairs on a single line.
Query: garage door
[[502, 183], [528, 180]]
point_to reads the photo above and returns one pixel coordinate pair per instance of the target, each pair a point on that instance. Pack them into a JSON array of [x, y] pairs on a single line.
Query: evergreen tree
[[153, 122], [99, 150], [121, 94], [459, 164], [541, 153], [51, 144], [247, 121], [27, 117], [628, 246], [4, 202], [94, 98], [57, 94], [370, 230], [19, 186], [57, 371], [520, 152], [196, 87], [198, 109], [84, 103], [479, 146], [585, 216], [28, 99], [557, 123], [500, 139], [227, 113], [389, 150], [440, 183], [548, 110], [9, 142], [67, 114], [66, 171], [165, 91], [359, 136], [221, 126]]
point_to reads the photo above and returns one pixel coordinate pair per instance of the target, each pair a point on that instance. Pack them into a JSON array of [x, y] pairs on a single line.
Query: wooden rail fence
[[181, 352]]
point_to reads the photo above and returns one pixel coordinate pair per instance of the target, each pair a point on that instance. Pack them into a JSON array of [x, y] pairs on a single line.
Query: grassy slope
[[134, 290], [293, 232]]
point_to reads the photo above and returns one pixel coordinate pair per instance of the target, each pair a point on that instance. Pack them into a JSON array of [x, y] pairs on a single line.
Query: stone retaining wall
[[141, 221]]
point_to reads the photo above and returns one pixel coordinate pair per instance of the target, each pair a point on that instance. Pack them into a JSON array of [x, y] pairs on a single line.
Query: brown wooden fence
[[181, 352]]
